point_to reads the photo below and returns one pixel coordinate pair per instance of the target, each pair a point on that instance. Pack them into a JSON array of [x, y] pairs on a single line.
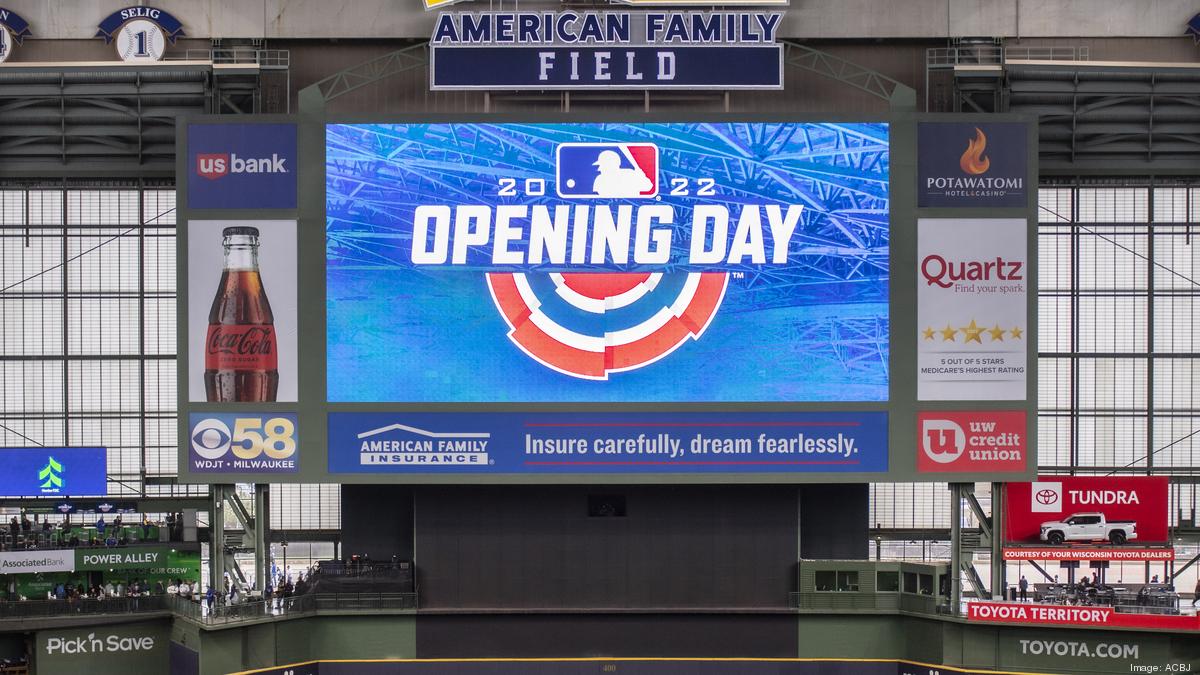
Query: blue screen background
[[813, 330]]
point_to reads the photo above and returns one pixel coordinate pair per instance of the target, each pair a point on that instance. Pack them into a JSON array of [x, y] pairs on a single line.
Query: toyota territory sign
[[1073, 510]]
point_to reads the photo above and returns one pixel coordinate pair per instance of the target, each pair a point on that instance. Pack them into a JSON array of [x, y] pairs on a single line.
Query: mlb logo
[[212, 166], [606, 170]]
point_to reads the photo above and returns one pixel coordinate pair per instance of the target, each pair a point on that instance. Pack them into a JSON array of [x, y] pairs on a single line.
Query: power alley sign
[[606, 50]]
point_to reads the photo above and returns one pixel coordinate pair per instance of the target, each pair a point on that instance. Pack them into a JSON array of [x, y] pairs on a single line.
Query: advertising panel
[[130, 648], [242, 311], [950, 442], [1114, 510], [972, 164], [607, 262], [35, 562], [972, 312], [241, 166], [612, 443], [1071, 615], [62, 472], [1115, 553], [243, 442], [125, 558]]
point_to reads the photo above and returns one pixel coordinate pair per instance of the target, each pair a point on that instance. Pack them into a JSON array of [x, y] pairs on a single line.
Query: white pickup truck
[[1088, 527]]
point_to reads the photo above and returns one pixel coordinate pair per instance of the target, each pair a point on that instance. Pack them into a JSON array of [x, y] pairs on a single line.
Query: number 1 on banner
[[140, 36]]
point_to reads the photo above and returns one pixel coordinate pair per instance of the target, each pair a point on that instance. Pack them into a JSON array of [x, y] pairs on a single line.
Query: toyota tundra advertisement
[[1120, 512]]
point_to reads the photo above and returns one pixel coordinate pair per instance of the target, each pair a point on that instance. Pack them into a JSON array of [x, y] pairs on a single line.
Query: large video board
[[500, 299], [607, 262]]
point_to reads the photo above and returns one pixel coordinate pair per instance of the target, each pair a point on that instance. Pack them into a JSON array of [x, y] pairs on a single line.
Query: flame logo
[[973, 161]]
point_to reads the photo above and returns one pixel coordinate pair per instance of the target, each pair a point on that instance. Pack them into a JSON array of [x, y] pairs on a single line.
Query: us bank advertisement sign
[[241, 166], [46, 471], [607, 262], [972, 164], [972, 281], [590, 443]]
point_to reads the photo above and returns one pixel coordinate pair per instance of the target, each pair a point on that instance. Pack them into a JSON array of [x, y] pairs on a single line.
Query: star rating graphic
[[972, 332]]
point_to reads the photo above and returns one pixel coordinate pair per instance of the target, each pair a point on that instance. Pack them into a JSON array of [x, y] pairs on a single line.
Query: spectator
[[196, 590], [145, 527], [120, 589], [173, 589], [1154, 580], [26, 525], [109, 590], [46, 525], [1024, 585], [158, 587], [15, 528], [100, 526], [210, 597], [60, 591]]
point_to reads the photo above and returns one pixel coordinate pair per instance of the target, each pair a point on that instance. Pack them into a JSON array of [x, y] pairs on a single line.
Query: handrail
[[30, 609]]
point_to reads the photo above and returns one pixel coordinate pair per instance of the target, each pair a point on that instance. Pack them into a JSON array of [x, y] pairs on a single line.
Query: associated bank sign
[[35, 562]]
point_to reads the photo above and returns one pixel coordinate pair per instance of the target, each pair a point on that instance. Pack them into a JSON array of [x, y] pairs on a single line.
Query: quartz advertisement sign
[[972, 312]]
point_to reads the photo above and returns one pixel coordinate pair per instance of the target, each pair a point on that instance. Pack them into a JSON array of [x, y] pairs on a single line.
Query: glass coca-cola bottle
[[241, 362]]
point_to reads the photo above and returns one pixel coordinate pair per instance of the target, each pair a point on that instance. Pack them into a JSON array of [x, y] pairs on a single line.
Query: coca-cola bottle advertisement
[[242, 311]]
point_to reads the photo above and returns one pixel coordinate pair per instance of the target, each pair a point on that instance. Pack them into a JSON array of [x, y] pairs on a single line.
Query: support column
[[999, 568], [216, 539], [955, 548], [262, 543]]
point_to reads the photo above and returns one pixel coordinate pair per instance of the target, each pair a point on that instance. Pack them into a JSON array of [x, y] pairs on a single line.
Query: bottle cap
[[230, 231]]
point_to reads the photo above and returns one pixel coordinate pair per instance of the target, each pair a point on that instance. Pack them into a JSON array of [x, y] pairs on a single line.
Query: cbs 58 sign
[[243, 443]]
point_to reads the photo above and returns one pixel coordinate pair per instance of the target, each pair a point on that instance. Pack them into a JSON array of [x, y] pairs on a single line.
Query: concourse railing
[[33, 609], [295, 605]]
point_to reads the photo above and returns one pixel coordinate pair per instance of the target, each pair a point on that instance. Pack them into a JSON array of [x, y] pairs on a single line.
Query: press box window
[[847, 581], [829, 580], [910, 582], [926, 584], [887, 582]]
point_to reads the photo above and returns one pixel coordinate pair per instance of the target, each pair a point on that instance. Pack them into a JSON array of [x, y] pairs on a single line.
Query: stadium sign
[[57, 472], [461, 444], [606, 50], [13, 29]]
